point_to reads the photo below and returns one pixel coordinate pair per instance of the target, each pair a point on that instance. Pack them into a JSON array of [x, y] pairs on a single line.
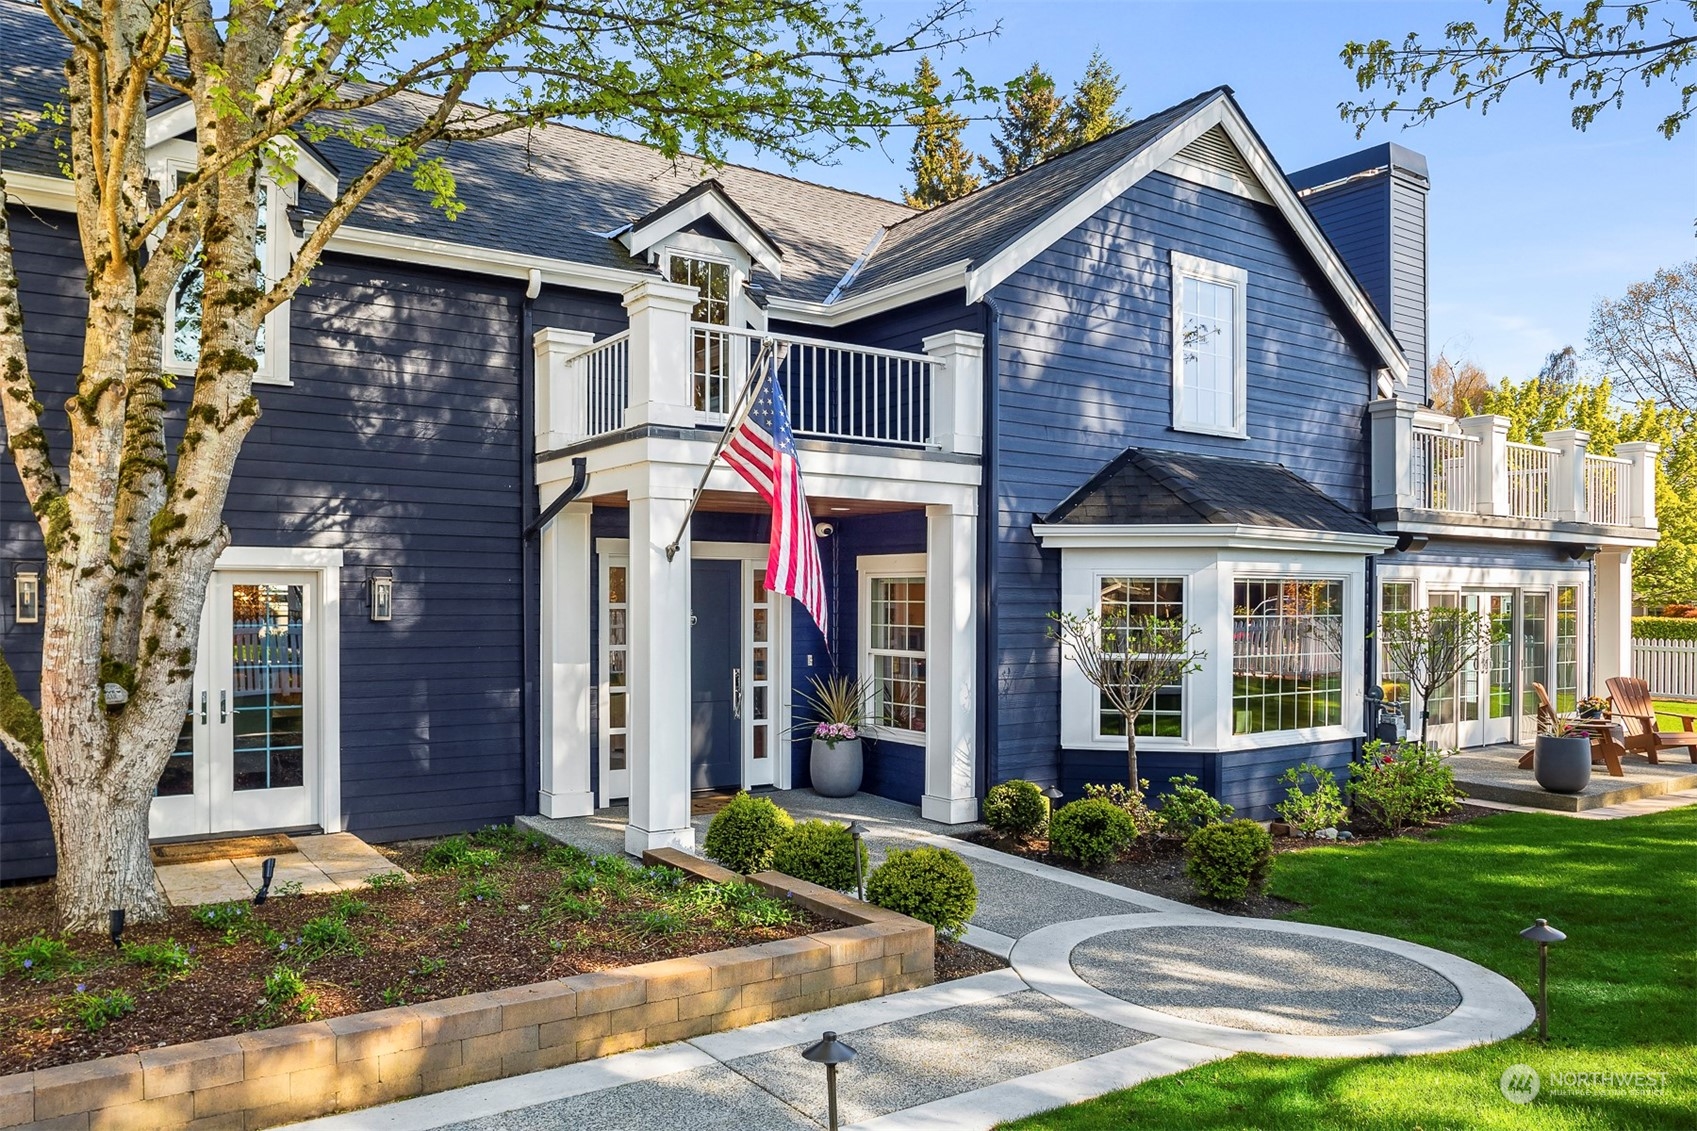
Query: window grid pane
[[896, 645], [617, 688], [1395, 597], [1287, 655], [1121, 600], [1209, 315]]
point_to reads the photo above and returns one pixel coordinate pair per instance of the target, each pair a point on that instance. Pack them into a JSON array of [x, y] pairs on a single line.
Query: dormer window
[[712, 350]]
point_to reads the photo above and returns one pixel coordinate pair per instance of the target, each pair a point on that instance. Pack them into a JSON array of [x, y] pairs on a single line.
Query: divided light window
[[896, 652], [1122, 601], [1287, 654], [711, 350], [1208, 346], [1395, 597], [183, 344], [1566, 690]]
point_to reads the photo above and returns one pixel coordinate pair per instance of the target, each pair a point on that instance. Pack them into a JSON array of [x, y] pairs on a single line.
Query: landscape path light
[[858, 830], [115, 924], [1543, 934], [830, 1052]]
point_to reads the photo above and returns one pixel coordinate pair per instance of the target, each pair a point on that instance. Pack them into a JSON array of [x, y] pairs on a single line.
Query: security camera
[[823, 529]]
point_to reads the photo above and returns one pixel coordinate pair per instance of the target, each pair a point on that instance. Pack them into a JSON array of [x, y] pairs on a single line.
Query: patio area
[[1492, 773]]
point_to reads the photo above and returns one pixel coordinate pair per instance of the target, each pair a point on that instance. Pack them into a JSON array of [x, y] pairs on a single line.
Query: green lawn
[[1623, 989], [1669, 710]]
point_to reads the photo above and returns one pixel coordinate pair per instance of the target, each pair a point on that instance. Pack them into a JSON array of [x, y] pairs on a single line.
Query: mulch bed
[[957, 960], [1156, 864], [431, 939]]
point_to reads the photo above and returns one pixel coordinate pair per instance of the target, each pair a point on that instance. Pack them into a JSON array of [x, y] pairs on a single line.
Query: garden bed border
[[274, 1076]]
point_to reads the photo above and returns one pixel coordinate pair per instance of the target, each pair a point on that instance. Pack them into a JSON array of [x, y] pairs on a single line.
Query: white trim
[[178, 118], [870, 567], [1174, 536], [327, 564], [492, 262], [1237, 280], [928, 284], [1542, 532], [716, 205], [610, 553]]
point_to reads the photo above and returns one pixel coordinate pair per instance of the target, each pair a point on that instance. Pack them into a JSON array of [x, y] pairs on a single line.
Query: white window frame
[[1184, 690], [169, 160], [1237, 279], [874, 567]]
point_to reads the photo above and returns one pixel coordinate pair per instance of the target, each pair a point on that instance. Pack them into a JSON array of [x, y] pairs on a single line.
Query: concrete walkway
[[337, 862], [1108, 987]]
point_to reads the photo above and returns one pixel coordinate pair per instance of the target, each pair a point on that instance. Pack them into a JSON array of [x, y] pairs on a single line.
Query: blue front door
[[714, 675]]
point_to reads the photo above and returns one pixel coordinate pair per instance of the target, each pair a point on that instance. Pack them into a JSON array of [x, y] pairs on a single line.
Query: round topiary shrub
[[1091, 830], [1227, 862], [1015, 808], [820, 852], [933, 885], [743, 834]]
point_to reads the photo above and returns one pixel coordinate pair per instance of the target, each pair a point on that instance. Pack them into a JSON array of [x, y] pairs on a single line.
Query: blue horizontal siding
[[1246, 780]]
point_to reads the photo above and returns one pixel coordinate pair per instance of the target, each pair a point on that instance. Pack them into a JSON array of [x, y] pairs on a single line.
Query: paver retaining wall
[[276, 1076]]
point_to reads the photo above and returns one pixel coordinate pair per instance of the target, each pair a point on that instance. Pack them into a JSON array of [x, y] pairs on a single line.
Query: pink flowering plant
[[1394, 786], [838, 706], [834, 733]]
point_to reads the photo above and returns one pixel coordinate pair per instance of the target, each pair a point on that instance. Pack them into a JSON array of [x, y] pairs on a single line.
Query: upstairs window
[[713, 349], [1208, 346]]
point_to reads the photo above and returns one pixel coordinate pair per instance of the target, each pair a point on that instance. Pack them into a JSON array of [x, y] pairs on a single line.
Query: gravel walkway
[[701, 1099], [1265, 981]]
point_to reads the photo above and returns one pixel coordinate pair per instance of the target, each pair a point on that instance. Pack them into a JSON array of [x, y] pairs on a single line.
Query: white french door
[[248, 756]]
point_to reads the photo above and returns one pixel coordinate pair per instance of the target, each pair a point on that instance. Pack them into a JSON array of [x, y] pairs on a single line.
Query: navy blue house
[[1155, 373]]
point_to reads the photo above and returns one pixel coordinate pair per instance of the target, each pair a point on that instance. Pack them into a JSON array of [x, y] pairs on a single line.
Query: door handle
[[203, 708], [223, 706], [736, 693]]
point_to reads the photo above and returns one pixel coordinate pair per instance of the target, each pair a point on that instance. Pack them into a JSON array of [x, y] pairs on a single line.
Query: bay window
[[1287, 654], [1122, 601]]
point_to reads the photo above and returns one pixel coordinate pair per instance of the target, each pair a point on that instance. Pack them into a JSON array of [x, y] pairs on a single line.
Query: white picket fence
[[1668, 666]]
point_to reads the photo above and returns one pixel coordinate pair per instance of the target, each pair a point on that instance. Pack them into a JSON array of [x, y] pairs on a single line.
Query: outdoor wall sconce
[[830, 1052], [27, 590], [380, 593]]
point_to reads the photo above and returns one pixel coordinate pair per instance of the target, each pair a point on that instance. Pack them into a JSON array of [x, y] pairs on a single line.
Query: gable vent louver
[[1215, 151]]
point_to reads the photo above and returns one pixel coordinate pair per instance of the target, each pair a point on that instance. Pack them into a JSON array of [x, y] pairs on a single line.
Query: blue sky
[[1530, 220]]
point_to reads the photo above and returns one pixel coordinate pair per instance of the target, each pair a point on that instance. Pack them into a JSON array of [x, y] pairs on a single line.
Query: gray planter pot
[[1562, 765], [836, 771]]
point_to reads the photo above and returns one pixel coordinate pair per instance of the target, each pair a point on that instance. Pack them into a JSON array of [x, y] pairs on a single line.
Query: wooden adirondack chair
[[1604, 748], [1630, 703]]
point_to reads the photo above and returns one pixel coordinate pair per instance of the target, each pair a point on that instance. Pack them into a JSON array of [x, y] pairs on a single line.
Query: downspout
[[530, 615], [989, 524]]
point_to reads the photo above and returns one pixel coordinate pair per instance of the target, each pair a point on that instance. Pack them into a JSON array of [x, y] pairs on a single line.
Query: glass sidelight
[[759, 741]]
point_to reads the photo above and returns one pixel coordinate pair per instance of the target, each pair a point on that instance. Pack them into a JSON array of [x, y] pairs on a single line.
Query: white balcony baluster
[[1528, 471], [1606, 490], [1443, 475]]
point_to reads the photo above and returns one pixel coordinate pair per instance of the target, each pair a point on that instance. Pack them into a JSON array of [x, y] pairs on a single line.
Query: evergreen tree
[[941, 165], [1033, 126], [1095, 110]]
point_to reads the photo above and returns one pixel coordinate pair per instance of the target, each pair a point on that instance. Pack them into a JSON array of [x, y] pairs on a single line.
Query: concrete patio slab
[[338, 862], [1492, 773]]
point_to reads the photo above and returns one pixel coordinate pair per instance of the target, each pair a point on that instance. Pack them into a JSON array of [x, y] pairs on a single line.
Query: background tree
[[1128, 658], [131, 531], [1597, 51], [1457, 384], [1032, 126], [1648, 336], [1095, 110], [1429, 648], [941, 163]]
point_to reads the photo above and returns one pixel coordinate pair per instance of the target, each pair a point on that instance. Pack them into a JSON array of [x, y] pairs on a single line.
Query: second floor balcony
[[1431, 472], [668, 371]]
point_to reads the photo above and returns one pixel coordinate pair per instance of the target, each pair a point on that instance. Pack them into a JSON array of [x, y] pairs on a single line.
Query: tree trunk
[[104, 862], [1131, 752]]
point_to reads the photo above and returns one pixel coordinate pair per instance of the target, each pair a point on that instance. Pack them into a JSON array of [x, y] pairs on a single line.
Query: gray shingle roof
[[1145, 487]]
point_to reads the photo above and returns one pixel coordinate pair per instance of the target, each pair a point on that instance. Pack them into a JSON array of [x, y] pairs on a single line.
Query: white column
[[1613, 628], [1490, 462], [957, 392], [565, 665], [1567, 475], [661, 382], [562, 399], [951, 659], [1391, 435], [658, 663], [1640, 482]]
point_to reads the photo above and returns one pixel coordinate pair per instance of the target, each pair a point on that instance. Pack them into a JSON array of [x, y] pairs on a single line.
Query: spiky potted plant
[[837, 705]]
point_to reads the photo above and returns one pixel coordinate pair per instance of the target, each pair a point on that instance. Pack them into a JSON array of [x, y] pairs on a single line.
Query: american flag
[[762, 451]]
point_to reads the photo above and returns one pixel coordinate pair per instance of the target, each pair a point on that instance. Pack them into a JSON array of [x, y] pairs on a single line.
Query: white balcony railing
[[1443, 470], [1528, 469], [1606, 489], [1424, 461], [606, 379]]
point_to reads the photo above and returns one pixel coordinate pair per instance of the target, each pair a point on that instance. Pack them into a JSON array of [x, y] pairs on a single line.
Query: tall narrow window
[[618, 687], [895, 651], [1287, 655], [712, 347], [1395, 597], [1122, 601], [1534, 654], [1566, 690], [182, 342], [1208, 346], [1443, 707]]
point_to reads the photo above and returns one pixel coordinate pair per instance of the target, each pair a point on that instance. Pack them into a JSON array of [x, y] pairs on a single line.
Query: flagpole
[[744, 403]]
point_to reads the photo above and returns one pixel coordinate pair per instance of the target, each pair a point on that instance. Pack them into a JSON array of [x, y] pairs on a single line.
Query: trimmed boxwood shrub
[[1186, 807], [933, 885], [743, 834], [1227, 862], [820, 852], [1091, 830], [1015, 808], [1664, 628]]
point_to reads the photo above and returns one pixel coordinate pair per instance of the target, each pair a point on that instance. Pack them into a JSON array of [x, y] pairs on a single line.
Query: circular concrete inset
[[1270, 986], [1267, 981]]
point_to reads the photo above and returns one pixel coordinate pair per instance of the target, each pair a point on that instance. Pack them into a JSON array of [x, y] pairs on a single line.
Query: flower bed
[[264, 1078]]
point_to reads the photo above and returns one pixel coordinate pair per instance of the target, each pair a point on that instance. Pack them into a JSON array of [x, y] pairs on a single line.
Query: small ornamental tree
[[1429, 648], [1128, 657]]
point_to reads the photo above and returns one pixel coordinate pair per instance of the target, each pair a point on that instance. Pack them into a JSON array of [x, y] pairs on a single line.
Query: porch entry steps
[[1491, 773], [228, 848]]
